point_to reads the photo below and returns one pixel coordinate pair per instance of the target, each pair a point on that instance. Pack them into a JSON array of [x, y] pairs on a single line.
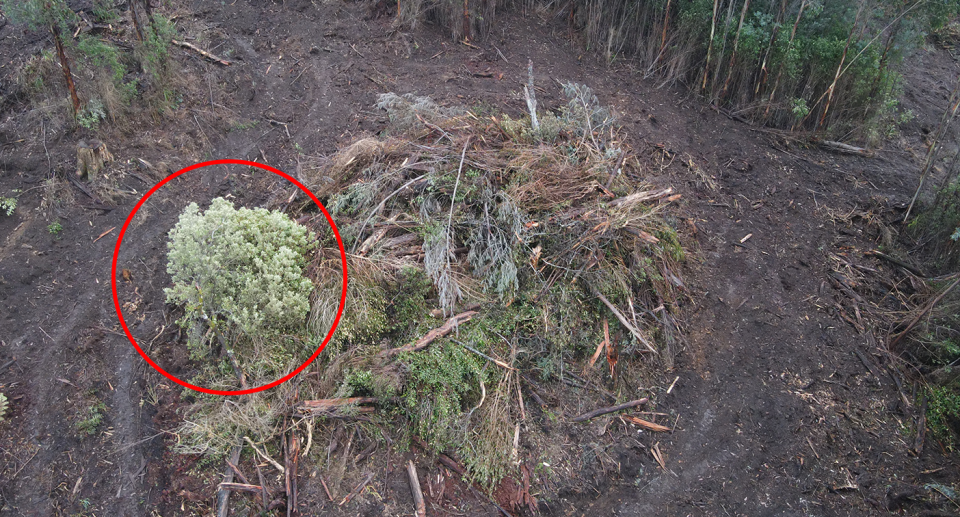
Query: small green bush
[[8, 205], [238, 272], [442, 385], [92, 114], [89, 421], [943, 414]]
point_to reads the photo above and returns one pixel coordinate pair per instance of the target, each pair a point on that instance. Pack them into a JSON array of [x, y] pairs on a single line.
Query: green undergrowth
[[943, 414], [116, 75], [515, 230]]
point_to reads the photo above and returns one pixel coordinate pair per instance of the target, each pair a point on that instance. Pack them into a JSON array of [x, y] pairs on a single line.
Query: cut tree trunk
[[91, 158], [135, 16]]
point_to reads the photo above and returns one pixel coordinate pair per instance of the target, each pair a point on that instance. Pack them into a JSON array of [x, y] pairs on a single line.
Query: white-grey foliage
[[583, 109], [403, 110], [238, 270], [494, 238], [437, 251]]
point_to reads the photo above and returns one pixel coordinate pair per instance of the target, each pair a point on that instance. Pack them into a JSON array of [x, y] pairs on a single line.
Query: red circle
[[116, 299]]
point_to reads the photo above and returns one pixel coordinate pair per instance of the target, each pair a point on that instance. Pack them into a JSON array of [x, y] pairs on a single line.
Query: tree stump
[[91, 159]]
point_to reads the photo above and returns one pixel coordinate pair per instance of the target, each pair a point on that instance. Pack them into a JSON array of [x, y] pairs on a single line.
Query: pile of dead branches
[[484, 255]]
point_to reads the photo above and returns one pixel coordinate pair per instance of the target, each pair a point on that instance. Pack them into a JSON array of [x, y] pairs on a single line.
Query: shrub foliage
[[238, 272]]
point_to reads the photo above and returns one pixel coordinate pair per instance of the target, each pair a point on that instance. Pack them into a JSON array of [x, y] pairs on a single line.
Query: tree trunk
[[736, 42], [65, 66], [723, 50], [836, 77], [762, 78], [135, 16], [666, 24], [713, 29]]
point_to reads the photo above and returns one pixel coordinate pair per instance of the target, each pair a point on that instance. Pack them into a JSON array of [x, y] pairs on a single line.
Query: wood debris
[[647, 425], [842, 148], [433, 335], [611, 409], [202, 52], [357, 490], [223, 494], [416, 491], [657, 455], [241, 487]]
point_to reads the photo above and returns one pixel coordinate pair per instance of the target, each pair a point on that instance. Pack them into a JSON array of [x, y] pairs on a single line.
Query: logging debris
[[610, 409]]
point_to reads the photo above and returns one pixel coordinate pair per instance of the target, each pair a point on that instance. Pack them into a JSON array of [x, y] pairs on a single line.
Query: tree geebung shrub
[[238, 271]]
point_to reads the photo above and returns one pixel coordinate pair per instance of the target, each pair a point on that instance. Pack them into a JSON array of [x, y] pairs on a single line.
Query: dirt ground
[[782, 401]]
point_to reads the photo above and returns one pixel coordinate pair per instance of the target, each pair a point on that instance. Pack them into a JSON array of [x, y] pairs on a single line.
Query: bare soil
[[779, 404]]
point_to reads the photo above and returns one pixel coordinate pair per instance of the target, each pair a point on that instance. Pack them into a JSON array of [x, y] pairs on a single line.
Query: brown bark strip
[[612, 409], [433, 335], [325, 489], [65, 66], [647, 424]]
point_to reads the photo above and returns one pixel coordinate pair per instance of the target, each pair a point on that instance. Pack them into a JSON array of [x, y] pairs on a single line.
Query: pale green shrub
[[238, 272]]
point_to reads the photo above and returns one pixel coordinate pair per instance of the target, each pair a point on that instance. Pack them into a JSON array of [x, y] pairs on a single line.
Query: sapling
[[54, 15]]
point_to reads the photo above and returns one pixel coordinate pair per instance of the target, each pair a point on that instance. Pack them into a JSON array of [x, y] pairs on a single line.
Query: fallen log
[[202, 52], [611, 409], [336, 407], [433, 335], [223, 494], [842, 148], [415, 489], [328, 404], [241, 487], [638, 197], [291, 453]]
